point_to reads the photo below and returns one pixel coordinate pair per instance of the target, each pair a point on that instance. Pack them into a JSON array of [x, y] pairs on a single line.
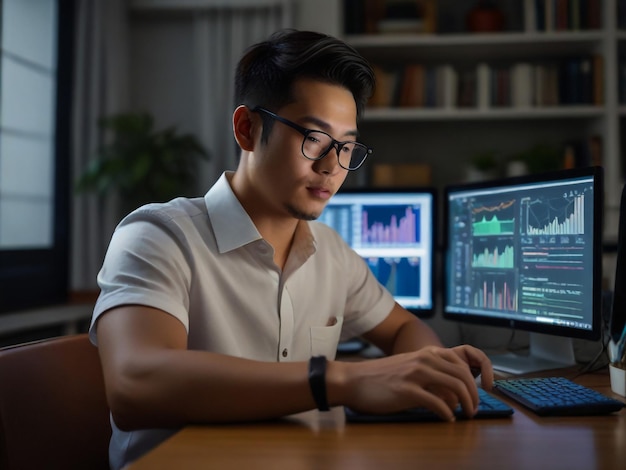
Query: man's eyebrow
[[324, 126]]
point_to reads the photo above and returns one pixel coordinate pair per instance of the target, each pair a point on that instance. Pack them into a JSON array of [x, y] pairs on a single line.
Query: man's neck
[[279, 234], [276, 229]]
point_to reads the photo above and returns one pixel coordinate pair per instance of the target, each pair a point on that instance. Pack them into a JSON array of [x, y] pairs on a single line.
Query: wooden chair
[[53, 409]]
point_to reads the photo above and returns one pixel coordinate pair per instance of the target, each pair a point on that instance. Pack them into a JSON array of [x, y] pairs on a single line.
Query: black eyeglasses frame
[[336, 144]]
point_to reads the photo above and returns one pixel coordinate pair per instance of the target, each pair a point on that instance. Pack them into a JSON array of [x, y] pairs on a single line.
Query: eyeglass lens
[[317, 144]]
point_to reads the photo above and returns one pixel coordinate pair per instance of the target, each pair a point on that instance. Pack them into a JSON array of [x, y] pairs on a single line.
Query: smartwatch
[[317, 381]]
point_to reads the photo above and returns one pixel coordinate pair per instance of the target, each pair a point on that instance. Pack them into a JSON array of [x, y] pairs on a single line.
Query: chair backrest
[[53, 409]]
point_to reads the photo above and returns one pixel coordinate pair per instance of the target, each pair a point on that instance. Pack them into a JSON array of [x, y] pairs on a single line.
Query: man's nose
[[329, 163]]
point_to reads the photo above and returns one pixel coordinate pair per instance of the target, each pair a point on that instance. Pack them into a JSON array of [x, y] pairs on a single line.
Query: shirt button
[[285, 352]]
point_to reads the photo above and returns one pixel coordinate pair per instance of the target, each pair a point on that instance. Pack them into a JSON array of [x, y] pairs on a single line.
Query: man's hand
[[434, 377]]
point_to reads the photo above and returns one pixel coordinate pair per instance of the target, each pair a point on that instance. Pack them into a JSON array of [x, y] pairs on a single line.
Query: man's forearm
[[413, 336], [179, 387]]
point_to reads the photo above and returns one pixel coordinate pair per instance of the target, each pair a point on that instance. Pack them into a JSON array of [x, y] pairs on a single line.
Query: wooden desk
[[324, 441]]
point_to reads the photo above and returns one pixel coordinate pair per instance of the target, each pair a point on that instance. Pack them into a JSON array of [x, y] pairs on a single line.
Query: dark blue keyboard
[[557, 396], [489, 407]]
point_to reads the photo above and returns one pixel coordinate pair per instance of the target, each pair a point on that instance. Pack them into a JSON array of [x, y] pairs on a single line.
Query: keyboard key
[[557, 396]]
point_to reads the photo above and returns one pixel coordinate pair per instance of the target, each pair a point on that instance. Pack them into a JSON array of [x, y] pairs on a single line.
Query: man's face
[[292, 185]]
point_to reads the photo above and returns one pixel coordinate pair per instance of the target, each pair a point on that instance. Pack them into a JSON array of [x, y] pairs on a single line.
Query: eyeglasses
[[317, 144]]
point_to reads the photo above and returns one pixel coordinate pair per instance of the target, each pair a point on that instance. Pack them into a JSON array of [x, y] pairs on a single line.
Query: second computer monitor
[[525, 253], [393, 231]]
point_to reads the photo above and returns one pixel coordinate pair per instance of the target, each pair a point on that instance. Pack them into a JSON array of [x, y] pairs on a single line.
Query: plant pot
[[484, 18], [473, 175]]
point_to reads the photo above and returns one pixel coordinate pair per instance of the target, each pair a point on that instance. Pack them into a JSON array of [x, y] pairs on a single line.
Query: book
[[598, 80], [530, 17], [584, 152], [483, 86], [549, 15], [386, 87], [414, 86], [574, 14], [400, 26], [586, 92], [594, 12], [430, 87], [539, 85], [450, 86], [501, 87], [561, 15], [467, 88], [401, 174], [521, 85], [429, 15], [411, 86], [551, 88], [595, 150]]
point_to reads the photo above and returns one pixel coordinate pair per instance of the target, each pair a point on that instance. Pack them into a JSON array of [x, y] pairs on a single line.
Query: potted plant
[[142, 164], [540, 158], [483, 166]]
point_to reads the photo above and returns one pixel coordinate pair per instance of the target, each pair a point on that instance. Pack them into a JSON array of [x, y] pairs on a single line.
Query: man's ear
[[245, 127]]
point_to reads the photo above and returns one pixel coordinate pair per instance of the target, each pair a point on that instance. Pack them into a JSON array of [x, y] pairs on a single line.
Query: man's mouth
[[319, 192]]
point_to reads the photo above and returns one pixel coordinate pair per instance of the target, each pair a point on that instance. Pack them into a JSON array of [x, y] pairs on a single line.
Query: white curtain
[[222, 31], [100, 88]]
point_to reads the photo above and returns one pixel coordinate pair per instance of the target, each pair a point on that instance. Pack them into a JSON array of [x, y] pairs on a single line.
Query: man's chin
[[302, 215]]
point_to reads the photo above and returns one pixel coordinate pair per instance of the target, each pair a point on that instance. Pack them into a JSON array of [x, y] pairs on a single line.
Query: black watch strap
[[317, 381]]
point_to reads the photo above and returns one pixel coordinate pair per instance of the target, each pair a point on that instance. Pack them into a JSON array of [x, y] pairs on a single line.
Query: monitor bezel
[[433, 193], [594, 333]]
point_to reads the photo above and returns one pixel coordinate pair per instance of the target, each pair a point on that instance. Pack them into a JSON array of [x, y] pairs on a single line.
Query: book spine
[[530, 18], [521, 85], [483, 75], [451, 86]]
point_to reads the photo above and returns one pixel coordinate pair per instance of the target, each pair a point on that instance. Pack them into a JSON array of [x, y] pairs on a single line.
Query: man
[[218, 309]]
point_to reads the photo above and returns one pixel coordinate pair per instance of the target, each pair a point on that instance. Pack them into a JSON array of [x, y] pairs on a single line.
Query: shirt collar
[[231, 224], [233, 227]]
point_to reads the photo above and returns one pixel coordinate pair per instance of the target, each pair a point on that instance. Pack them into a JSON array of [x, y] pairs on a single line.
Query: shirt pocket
[[324, 339]]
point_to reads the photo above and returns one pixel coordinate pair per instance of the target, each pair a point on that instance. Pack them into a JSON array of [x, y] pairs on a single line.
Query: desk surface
[[315, 440]]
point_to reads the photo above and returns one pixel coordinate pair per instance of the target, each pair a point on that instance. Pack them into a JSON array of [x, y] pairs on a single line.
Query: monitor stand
[[546, 352]]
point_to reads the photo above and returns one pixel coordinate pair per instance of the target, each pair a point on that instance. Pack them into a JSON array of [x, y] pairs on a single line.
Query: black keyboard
[[489, 407], [557, 396]]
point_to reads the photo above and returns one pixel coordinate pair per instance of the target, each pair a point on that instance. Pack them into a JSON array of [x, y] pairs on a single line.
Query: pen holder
[[618, 380]]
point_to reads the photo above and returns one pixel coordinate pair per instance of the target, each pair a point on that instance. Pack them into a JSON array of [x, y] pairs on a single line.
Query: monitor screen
[[525, 253], [393, 231]]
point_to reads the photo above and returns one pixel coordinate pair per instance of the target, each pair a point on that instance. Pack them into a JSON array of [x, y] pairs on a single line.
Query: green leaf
[[141, 163]]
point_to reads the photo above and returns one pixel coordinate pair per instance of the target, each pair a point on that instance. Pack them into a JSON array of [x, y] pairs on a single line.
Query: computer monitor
[[617, 319], [525, 253], [394, 232]]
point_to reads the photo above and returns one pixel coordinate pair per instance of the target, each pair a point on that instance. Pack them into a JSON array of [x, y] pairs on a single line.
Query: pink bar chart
[[396, 228]]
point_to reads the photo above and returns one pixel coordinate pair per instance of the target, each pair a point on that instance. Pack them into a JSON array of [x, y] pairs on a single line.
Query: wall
[[162, 74], [162, 68]]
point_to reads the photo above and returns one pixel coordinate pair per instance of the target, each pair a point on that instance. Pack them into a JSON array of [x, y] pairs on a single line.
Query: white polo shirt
[[203, 261]]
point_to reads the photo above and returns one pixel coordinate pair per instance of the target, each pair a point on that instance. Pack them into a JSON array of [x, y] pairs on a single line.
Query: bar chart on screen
[[385, 225], [553, 216], [393, 231]]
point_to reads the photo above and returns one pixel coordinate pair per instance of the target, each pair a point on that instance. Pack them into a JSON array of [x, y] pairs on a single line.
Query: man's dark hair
[[265, 74]]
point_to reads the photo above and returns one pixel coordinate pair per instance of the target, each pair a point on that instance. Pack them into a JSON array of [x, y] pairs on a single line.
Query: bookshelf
[[446, 134]]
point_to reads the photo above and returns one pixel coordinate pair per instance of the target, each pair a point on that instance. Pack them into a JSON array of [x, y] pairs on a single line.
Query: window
[[35, 91]]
